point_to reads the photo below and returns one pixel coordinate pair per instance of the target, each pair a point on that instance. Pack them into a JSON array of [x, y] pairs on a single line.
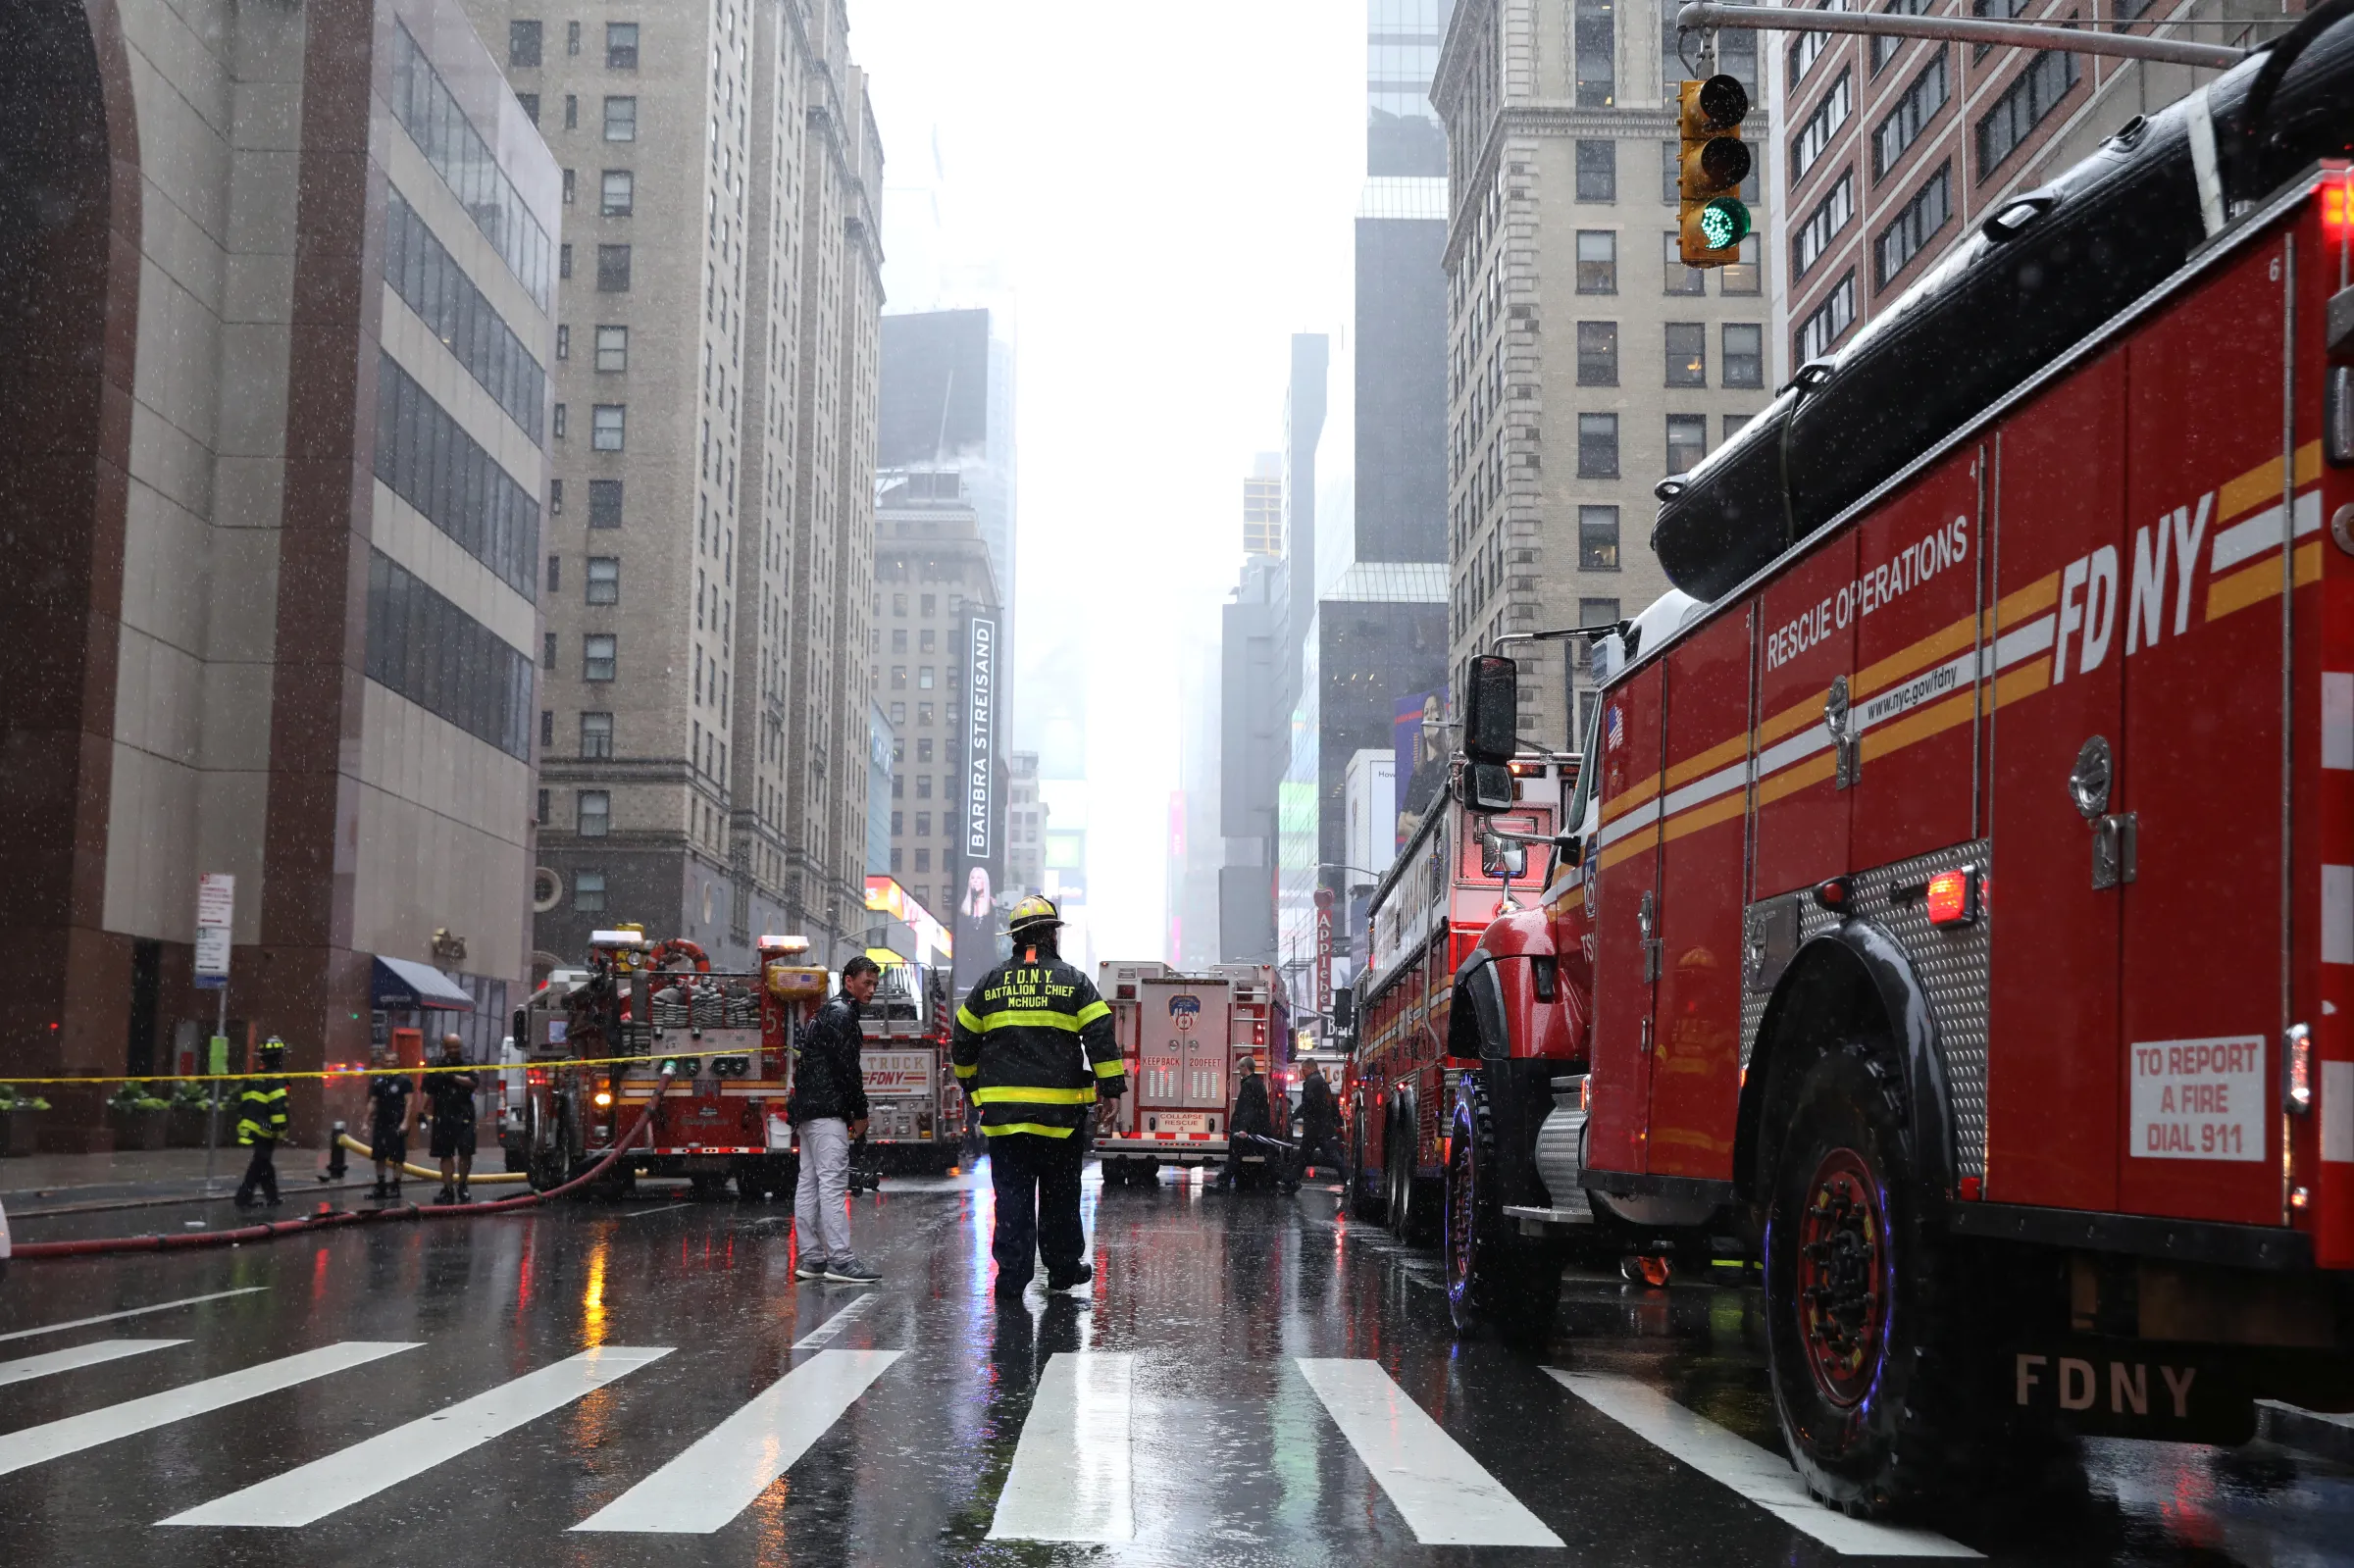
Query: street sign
[[219, 1055], [216, 912]]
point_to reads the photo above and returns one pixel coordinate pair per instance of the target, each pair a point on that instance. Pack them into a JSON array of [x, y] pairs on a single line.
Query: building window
[[1744, 354], [621, 46], [1746, 276], [1597, 353], [603, 580], [618, 196], [1597, 447], [555, 498], [1805, 50], [548, 651], [522, 45], [531, 105], [1910, 118], [1676, 277], [1814, 137], [1597, 262], [927, 640], [422, 271], [556, 574], [563, 342], [428, 460], [1736, 424], [1994, 11], [924, 712], [899, 639], [572, 111], [608, 426], [596, 818], [923, 679], [1598, 536], [899, 823], [600, 652], [923, 825], [572, 37], [898, 678], [1830, 215], [564, 261], [612, 269], [1827, 322], [1597, 612], [1597, 170], [895, 856], [923, 786], [621, 120], [1672, 172], [1884, 48], [898, 713], [604, 503], [540, 816], [547, 727], [2022, 106], [1687, 354], [588, 891], [560, 417], [1915, 222], [1687, 441], [425, 648], [923, 749], [597, 736], [1595, 43], [612, 348], [435, 122]]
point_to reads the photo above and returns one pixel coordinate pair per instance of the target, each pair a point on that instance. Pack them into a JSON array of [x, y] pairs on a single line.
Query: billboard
[[978, 921]]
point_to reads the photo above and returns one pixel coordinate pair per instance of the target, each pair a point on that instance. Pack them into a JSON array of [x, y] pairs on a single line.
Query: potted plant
[[20, 1126], [191, 1110], [139, 1119]]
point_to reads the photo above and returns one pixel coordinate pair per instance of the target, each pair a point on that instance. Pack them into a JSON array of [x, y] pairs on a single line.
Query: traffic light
[[1713, 164]]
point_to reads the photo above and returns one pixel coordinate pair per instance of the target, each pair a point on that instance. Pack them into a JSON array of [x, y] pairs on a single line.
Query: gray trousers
[[820, 1214]]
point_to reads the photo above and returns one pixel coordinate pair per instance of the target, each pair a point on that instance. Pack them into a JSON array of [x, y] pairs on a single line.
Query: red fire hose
[[311, 1223]]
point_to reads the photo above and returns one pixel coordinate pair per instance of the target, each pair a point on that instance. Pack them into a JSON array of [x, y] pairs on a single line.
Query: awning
[[400, 982]]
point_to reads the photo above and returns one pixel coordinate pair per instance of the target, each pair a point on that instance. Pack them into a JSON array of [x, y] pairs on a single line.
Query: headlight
[[603, 1098]]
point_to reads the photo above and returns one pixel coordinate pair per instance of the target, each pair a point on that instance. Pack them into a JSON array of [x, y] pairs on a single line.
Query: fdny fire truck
[[709, 1052], [1454, 877], [1184, 1038], [1957, 912], [915, 1108]]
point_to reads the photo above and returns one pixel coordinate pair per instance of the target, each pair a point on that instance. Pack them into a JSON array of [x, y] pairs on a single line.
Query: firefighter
[[388, 1114], [452, 1096], [1034, 1048], [261, 1123]]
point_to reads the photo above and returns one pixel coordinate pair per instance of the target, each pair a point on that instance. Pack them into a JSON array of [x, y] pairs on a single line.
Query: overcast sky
[[1162, 194]]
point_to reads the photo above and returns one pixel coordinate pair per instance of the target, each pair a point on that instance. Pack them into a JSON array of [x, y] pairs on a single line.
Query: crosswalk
[[1073, 1475]]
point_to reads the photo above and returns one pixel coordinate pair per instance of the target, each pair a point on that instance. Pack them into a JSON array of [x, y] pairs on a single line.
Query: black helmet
[[272, 1048]]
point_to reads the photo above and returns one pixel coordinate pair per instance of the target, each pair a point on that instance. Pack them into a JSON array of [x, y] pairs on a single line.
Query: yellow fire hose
[[363, 1150]]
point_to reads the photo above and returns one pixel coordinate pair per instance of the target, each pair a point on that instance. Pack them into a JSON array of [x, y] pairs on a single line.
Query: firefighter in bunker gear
[[261, 1123], [1034, 1048]]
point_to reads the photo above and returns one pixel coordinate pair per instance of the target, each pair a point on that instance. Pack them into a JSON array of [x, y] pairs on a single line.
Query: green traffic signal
[[1724, 223]]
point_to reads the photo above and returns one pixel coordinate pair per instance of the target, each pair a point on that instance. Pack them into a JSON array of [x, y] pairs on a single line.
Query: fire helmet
[[272, 1048], [1034, 913]]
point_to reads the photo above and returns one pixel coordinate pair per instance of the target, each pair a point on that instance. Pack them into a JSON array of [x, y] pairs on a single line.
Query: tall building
[[278, 282], [1899, 148], [703, 735], [1585, 361], [1025, 826], [1263, 506]]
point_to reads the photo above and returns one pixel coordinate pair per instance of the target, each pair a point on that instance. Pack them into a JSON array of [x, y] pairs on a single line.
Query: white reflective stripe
[[1072, 1476], [1773, 759], [1447, 1497], [1955, 674], [1635, 821], [2261, 532], [1723, 782], [82, 1355], [2337, 914], [56, 1438], [724, 1471], [2200, 122], [134, 1312], [310, 1493], [2024, 641], [2337, 1113], [2338, 719], [1763, 1477]]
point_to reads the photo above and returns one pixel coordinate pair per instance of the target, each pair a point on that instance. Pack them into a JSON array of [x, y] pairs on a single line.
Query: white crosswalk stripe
[[1763, 1477], [1447, 1497], [56, 1438], [82, 1355], [331, 1485], [1071, 1478], [722, 1472], [133, 1312]]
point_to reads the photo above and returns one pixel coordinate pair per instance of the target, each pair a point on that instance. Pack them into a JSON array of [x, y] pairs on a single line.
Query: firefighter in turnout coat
[[261, 1123], [1034, 1048]]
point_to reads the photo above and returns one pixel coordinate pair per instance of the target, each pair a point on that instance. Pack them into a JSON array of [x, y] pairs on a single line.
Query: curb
[[2314, 1431]]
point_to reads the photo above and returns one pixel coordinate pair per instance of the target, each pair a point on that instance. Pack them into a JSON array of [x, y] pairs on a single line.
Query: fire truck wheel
[[1496, 1278], [1863, 1333], [551, 1144], [1364, 1202]]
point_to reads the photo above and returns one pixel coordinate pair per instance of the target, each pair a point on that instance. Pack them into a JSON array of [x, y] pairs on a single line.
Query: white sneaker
[[810, 1269]]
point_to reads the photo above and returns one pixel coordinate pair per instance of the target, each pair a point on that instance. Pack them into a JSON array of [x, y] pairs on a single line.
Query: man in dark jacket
[[1251, 1115], [1319, 1126], [261, 1123], [1034, 1048], [828, 1108]]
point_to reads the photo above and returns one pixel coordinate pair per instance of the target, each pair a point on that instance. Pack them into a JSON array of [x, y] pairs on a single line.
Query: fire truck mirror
[[1498, 858], [1492, 710], [1488, 787]]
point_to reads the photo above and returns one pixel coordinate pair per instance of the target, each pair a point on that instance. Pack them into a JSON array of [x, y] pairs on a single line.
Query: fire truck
[[915, 1109], [1958, 917], [1455, 876], [709, 1052], [1184, 1038]]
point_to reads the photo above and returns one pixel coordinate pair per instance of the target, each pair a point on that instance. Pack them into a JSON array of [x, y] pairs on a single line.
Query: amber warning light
[[1954, 897]]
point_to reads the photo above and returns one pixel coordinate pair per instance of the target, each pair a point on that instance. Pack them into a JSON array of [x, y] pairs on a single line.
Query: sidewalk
[[82, 1184]]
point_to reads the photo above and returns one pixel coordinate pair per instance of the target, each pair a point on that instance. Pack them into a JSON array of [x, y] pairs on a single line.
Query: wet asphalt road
[[1232, 1339]]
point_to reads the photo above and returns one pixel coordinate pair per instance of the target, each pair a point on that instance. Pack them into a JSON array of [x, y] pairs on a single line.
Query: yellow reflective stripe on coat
[[966, 1018], [1040, 1128], [1025, 1020], [966, 1068], [1114, 1068], [1093, 1011], [1002, 1093]]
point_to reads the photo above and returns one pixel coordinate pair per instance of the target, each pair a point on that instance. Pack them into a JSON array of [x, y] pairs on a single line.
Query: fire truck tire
[[1365, 1199], [1866, 1336], [1496, 1278], [549, 1163]]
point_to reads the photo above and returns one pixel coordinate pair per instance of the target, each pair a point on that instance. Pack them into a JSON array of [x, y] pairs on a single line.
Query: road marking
[[665, 1208], [82, 1355], [1071, 1474], [836, 1323], [56, 1438], [1763, 1477], [724, 1470], [310, 1493], [109, 1317], [1447, 1497]]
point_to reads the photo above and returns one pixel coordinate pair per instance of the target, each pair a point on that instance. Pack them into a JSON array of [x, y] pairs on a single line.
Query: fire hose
[[478, 1179], [272, 1230]]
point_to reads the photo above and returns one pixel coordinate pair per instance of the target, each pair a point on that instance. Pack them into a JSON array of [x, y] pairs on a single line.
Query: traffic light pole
[[1706, 15]]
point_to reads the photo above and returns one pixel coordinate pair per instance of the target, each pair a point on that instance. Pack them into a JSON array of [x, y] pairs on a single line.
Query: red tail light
[[2337, 209], [1954, 897]]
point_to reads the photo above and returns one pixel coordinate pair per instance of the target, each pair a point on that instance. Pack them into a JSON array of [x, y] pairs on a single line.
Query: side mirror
[[1492, 710], [1488, 787], [1569, 849], [1498, 858]]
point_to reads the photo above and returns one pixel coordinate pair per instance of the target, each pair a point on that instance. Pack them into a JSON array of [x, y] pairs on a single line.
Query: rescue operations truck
[[1957, 915], [1184, 1038], [915, 1108]]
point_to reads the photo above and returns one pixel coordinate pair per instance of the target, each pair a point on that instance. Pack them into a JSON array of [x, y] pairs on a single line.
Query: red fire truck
[[1184, 1037], [1959, 918], [1454, 877], [914, 1107], [710, 1052]]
